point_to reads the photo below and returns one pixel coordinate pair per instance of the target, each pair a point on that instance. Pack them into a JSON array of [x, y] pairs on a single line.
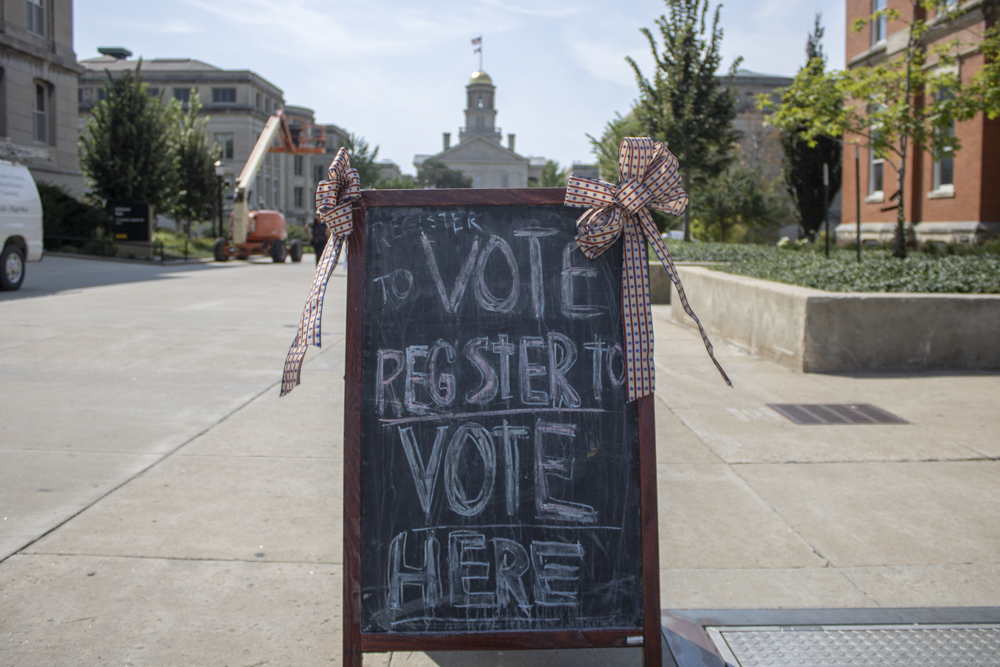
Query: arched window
[[480, 103]]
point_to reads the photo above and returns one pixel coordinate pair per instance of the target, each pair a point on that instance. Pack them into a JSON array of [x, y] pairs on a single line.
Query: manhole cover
[[960, 645], [835, 413]]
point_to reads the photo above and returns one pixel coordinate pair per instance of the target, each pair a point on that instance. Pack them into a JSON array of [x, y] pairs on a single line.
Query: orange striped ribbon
[[334, 199], [649, 178]]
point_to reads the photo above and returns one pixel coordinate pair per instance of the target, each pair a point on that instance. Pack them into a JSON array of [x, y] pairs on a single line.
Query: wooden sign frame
[[354, 641]]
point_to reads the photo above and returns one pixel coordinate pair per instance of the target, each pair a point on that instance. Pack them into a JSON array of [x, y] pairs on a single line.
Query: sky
[[394, 72]]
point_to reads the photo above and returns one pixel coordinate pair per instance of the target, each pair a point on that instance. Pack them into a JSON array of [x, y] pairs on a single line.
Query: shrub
[[62, 215]]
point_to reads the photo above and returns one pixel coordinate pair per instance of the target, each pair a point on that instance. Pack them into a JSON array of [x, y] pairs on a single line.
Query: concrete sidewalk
[[160, 506]]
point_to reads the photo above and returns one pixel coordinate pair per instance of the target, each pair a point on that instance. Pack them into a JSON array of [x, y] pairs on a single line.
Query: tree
[[404, 182], [553, 176], [606, 148], [363, 159], [738, 197], [197, 185], [909, 102], [435, 174], [125, 150], [684, 106], [804, 160]]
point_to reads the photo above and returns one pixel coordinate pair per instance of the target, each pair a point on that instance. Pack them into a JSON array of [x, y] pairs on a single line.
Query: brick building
[[956, 199]]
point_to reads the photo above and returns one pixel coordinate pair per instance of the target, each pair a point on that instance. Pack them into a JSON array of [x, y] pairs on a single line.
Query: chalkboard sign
[[496, 484]]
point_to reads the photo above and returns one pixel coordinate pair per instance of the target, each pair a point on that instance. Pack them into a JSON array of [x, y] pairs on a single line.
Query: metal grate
[[832, 413], [863, 645]]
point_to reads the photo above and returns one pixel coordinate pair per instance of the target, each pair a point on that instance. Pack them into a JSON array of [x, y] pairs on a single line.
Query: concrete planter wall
[[815, 331]]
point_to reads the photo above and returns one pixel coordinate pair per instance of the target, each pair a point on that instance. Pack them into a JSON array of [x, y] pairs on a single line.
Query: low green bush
[[973, 271], [63, 215]]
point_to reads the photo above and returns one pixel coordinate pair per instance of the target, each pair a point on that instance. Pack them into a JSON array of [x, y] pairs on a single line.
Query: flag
[[478, 49], [477, 41]]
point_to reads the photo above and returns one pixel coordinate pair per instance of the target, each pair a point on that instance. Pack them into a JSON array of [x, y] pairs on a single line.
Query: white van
[[20, 224]]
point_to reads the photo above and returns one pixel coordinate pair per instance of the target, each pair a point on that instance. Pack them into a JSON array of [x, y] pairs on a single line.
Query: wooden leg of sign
[[652, 649], [352, 444]]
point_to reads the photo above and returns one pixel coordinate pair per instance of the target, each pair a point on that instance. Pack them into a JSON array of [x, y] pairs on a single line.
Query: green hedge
[[879, 271]]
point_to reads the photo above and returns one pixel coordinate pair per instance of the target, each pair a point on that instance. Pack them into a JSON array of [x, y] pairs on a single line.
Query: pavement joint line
[[141, 472], [784, 520], [853, 583], [152, 465], [256, 561], [858, 461]]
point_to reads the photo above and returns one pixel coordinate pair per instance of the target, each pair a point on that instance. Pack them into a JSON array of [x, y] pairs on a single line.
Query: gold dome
[[480, 77]]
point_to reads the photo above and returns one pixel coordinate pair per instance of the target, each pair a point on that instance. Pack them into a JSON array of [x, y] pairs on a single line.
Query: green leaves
[[553, 176], [134, 148], [125, 150], [683, 105]]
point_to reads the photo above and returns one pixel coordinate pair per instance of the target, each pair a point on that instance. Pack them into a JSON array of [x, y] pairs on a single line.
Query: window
[[298, 165], [36, 16], [183, 95], [153, 92], [506, 180], [943, 175], [878, 25], [257, 101], [224, 96], [477, 181], [267, 105], [40, 115], [101, 94], [225, 141], [480, 103], [298, 197], [319, 173], [875, 173]]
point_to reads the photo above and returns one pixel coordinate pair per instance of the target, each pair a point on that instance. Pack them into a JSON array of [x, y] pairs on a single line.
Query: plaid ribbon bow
[[649, 178], [334, 198]]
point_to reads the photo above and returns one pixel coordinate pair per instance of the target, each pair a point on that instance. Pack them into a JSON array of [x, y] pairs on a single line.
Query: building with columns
[[38, 72], [479, 152]]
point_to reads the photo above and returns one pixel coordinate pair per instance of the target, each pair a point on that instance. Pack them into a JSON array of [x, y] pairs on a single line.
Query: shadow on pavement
[[55, 275]]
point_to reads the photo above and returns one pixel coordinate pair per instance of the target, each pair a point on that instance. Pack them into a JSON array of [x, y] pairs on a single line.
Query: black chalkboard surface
[[498, 467]]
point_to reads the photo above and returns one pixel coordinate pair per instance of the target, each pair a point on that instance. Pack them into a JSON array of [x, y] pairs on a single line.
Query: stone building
[[479, 153], [38, 72], [955, 199], [238, 104]]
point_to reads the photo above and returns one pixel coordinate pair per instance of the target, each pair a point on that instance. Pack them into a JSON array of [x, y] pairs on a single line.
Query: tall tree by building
[[125, 150], [683, 104], [197, 185], [804, 160], [363, 158], [606, 148]]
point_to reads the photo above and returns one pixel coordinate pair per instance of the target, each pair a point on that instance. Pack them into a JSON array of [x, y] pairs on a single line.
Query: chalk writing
[[499, 470]]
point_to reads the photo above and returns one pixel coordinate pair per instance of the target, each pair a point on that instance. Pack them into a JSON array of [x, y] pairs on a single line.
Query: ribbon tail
[[309, 331], [637, 314], [661, 251]]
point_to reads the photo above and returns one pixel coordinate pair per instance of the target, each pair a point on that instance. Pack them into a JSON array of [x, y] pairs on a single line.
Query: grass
[[972, 271]]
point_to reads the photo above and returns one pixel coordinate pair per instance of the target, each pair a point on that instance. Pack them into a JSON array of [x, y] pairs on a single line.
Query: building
[[238, 104], [479, 153], [38, 72], [956, 199], [748, 85]]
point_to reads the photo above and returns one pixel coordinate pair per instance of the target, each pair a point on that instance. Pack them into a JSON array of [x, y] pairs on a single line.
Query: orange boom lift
[[264, 232]]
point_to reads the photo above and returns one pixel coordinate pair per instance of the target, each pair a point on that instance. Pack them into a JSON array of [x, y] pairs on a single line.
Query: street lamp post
[[220, 173]]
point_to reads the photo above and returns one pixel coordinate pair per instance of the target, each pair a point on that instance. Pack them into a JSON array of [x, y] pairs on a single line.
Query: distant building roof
[[156, 64]]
